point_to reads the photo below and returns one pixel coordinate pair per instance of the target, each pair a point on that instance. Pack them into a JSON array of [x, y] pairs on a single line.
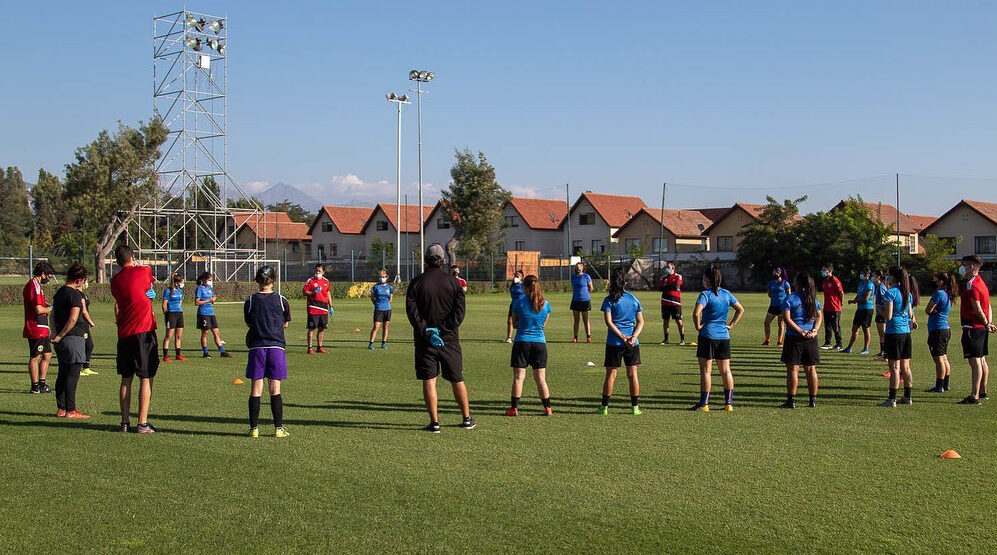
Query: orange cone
[[950, 454], [357, 330], [237, 381]]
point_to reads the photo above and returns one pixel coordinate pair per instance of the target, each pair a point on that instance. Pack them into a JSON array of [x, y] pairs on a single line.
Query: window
[[725, 243], [520, 246], [294, 247], [382, 225], [510, 221], [576, 247], [321, 253], [659, 244], [986, 244], [442, 223], [327, 226], [597, 246], [631, 244], [587, 218], [912, 244], [333, 249]]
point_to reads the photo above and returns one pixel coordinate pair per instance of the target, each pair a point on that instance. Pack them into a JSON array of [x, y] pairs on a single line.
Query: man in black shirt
[[435, 307], [70, 341]]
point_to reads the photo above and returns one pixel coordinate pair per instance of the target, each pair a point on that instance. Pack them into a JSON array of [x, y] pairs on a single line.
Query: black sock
[[254, 412], [681, 337], [41, 382], [907, 392], [790, 399], [983, 391], [893, 393], [515, 402], [945, 382], [666, 338], [277, 408], [634, 400], [178, 351], [546, 402], [166, 352], [813, 399], [605, 400], [35, 384], [939, 382]]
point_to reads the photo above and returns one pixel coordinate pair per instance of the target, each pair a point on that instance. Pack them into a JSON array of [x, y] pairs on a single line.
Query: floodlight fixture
[[193, 43], [216, 45], [216, 26], [421, 75]]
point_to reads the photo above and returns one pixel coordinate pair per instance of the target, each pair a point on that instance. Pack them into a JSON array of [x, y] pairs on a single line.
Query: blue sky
[[726, 100]]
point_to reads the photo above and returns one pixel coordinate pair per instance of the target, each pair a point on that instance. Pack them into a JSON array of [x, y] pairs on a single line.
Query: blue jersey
[[580, 287], [939, 319], [899, 321], [173, 299], [794, 304], [715, 308], [204, 293], [516, 291], [529, 323], [266, 314], [381, 293], [624, 315], [778, 291], [880, 295], [867, 286]]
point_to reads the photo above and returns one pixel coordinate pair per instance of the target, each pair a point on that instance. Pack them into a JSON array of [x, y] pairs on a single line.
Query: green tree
[[380, 250], [295, 211], [473, 201], [936, 256], [243, 203], [772, 239], [52, 217], [15, 217], [110, 179]]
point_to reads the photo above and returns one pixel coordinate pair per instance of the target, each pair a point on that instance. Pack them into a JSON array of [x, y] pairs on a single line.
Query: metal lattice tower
[[188, 225]]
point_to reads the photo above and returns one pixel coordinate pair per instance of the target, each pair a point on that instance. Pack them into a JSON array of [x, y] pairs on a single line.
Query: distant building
[[595, 218], [439, 228], [382, 225], [535, 224], [337, 231], [972, 221], [725, 233], [678, 235], [274, 230], [910, 225]]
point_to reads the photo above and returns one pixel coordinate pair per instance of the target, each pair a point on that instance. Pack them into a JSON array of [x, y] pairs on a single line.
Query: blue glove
[[151, 293], [433, 336], [317, 290]]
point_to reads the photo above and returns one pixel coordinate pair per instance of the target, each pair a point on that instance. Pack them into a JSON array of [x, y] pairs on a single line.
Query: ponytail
[[950, 285], [175, 280], [531, 286], [902, 279], [713, 275], [804, 284], [617, 284]]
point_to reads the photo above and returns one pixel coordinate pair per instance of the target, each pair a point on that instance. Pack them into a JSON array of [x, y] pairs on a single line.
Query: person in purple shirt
[[267, 314]]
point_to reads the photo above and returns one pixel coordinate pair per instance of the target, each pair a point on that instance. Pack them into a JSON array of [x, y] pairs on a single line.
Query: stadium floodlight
[[191, 20], [222, 47], [404, 98], [421, 76], [217, 45], [391, 97], [193, 43], [195, 23], [398, 100], [216, 26]]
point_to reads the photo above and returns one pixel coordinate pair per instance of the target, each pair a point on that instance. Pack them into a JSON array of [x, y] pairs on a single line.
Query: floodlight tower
[[398, 101], [420, 76]]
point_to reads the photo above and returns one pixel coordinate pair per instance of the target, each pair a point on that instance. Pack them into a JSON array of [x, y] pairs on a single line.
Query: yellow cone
[[950, 454]]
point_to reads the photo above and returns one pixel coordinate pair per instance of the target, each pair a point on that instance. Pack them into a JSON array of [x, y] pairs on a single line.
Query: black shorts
[[974, 343], [774, 310], [37, 347], [938, 342], [880, 319], [713, 349], [529, 354], [174, 320], [673, 311], [432, 361], [617, 354], [898, 346], [382, 315], [581, 306], [800, 351], [317, 321], [510, 309], [206, 322], [863, 318], [138, 355]]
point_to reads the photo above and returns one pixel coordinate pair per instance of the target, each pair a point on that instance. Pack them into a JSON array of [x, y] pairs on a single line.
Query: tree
[[380, 250], [52, 217], [111, 178], [474, 204], [771, 239], [243, 203], [15, 217], [936, 256], [295, 211]]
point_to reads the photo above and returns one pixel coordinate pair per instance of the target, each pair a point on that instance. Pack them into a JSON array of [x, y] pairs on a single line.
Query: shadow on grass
[[202, 419]]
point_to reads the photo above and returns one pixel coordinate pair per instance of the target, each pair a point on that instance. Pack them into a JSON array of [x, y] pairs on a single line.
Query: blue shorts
[[267, 363]]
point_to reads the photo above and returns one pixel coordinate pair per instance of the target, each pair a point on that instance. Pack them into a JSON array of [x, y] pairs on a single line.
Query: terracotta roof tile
[[349, 220], [680, 223], [541, 213], [986, 209], [410, 215], [272, 226], [615, 210]]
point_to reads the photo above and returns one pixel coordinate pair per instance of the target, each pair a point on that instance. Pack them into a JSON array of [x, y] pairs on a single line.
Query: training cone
[[356, 330], [237, 381], [590, 363], [950, 454]]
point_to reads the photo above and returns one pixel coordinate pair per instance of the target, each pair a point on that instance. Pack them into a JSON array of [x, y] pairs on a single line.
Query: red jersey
[[671, 289], [35, 325], [462, 282], [317, 292], [976, 291], [129, 287], [833, 293]]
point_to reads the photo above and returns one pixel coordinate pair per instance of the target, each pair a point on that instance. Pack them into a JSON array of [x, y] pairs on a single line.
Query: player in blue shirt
[[173, 314], [779, 289], [898, 306], [865, 305], [625, 319], [515, 293], [581, 300], [267, 314], [710, 317], [879, 280], [803, 316], [939, 332], [529, 316], [381, 295], [204, 299]]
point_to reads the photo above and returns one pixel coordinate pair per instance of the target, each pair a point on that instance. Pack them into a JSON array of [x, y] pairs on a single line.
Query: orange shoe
[[588, 339], [886, 374], [548, 411], [310, 351], [321, 350], [61, 413], [181, 358], [512, 412], [166, 358], [76, 415], [575, 340]]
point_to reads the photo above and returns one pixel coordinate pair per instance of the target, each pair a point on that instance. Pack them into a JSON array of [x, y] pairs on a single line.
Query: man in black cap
[[435, 307]]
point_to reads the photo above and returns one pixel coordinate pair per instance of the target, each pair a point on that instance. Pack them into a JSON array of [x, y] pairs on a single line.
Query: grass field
[[358, 476]]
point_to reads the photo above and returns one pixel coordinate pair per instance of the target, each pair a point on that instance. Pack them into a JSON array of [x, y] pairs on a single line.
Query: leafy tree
[[110, 179], [295, 211], [380, 250], [243, 203], [15, 217], [474, 203], [936, 256], [772, 239], [52, 217]]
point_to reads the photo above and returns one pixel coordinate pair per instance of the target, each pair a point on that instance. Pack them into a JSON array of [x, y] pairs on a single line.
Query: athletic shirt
[[714, 317], [623, 312], [129, 287], [794, 304], [266, 314], [880, 295], [778, 291], [382, 296], [35, 325], [65, 300], [870, 287], [899, 322], [516, 291], [173, 298], [530, 324], [580, 287], [671, 289], [833, 293], [462, 282], [975, 291], [939, 319], [320, 302]]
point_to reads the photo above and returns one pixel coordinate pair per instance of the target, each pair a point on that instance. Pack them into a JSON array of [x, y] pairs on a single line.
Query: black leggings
[[89, 350], [65, 385], [832, 325]]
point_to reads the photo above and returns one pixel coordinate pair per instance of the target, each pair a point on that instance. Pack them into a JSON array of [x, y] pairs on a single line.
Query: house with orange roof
[[595, 219], [671, 234], [535, 224], [282, 238], [382, 226], [973, 223], [337, 231], [911, 225], [725, 233]]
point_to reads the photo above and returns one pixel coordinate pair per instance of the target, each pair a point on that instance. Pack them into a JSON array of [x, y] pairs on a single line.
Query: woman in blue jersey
[[581, 301], [204, 298], [803, 316], [173, 315], [381, 295], [625, 319], [779, 289], [939, 332], [515, 293], [710, 318], [879, 279], [529, 316], [898, 306], [865, 305]]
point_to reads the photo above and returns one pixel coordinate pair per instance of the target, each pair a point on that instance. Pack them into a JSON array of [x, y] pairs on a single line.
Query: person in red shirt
[[319, 305], [833, 295], [670, 285], [138, 348], [976, 316], [36, 329], [455, 272]]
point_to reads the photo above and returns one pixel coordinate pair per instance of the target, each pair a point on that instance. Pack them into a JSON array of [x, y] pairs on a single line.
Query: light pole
[[398, 100], [420, 76]]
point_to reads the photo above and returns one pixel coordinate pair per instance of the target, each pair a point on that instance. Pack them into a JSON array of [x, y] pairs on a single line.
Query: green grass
[[357, 476]]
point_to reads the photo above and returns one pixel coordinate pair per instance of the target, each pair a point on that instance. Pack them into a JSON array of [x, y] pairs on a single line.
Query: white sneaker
[[905, 401], [508, 340], [889, 403]]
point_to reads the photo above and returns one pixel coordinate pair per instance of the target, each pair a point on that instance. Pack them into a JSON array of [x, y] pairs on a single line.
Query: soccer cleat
[[181, 358], [76, 415], [635, 410], [588, 339], [512, 412], [812, 404], [936, 389], [226, 354], [61, 413], [969, 400], [574, 340], [166, 358], [847, 350], [765, 343], [728, 408], [788, 405], [700, 408], [905, 401], [825, 347], [254, 432], [44, 388], [984, 396], [321, 350], [663, 343], [689, 343], [88, 372], [864, 352], [206, 355], [889, 403], [685, 343], [433, 428], [370, 346], [468, 423], [124, 427], [35, 389], [384, 345], [837, 348], [145, 429], [779, 344], [280, 432], [602, 410], [310, 351], [508, 340], [886, 374], [548, 411]]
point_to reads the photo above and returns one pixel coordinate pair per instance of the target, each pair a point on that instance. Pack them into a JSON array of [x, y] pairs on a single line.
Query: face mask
[[669, 271], [962, 271], [318, 275], [180, 285], [823, 273], [383, 279], [515, 280], [862, 277], [44, 280], [209, 283]]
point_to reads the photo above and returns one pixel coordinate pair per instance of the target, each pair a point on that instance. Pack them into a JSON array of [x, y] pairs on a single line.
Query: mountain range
[[283, 191]]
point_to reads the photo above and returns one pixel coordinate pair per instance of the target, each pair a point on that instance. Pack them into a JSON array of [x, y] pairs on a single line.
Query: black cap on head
[[266, 275], [435, 255]]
